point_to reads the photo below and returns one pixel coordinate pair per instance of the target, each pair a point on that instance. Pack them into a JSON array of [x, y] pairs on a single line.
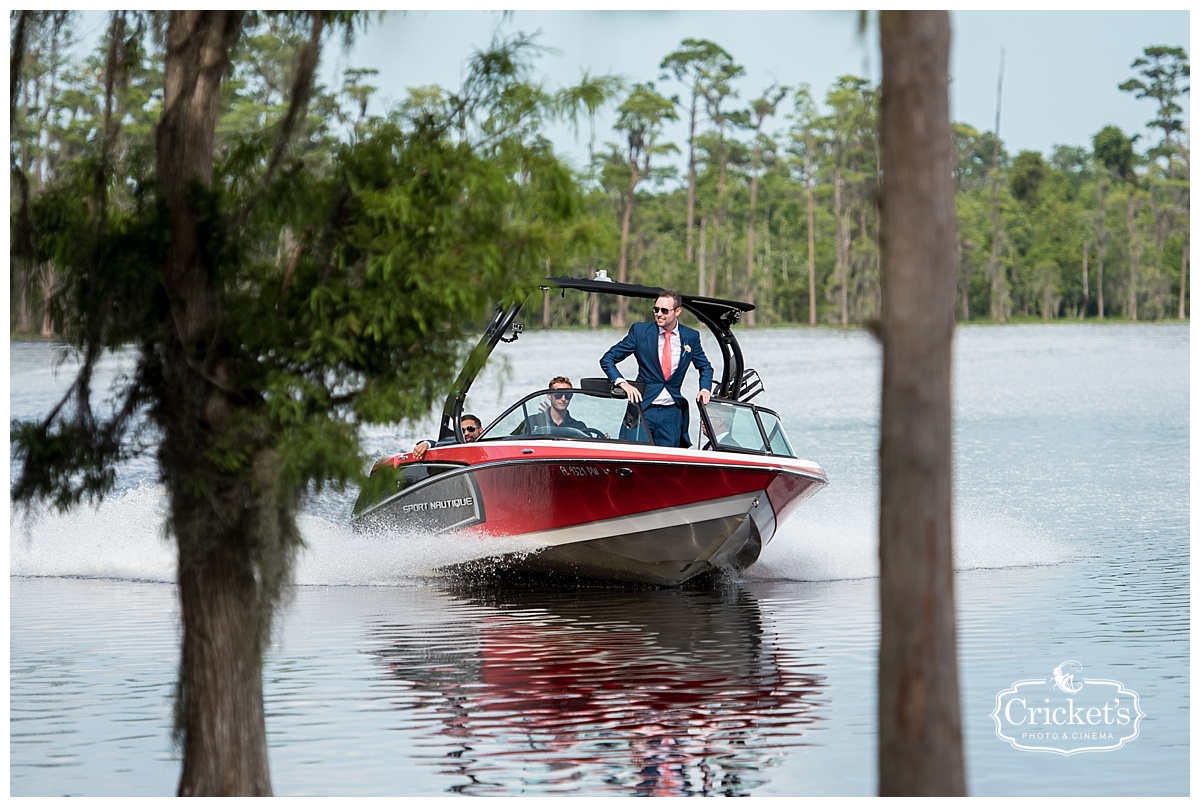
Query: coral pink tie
[[666, 356]]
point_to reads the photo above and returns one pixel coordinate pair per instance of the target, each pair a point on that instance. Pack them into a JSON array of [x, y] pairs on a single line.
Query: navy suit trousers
[[665, 424]]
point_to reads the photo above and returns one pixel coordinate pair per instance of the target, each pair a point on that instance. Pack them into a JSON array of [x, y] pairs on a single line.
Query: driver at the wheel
[[558, 413]]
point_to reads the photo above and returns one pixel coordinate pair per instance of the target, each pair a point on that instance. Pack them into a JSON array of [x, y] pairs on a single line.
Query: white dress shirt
[[664, 398]]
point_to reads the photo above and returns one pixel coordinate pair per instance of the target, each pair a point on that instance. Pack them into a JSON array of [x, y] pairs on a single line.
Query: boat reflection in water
[[667, 692]]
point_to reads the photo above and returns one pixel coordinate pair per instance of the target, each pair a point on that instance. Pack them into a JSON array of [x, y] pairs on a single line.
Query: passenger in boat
[[471, 427], [663, 350], [721, 427], [557, 413]]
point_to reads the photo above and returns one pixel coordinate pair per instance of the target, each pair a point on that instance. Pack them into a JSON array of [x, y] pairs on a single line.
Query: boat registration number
[[579, 470]]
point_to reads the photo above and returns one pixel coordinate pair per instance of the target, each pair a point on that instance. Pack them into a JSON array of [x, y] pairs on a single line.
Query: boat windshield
[[740, 426], [588, 415]]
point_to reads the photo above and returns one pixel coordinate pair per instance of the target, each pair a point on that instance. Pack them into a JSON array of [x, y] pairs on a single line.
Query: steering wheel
[[596, 433], [563, 431]]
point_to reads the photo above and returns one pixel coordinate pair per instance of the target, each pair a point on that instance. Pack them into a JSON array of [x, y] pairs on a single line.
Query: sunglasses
[[470, 429], [658, 310], [566, 396]]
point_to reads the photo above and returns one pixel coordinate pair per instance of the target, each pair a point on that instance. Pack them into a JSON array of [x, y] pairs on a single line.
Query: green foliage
[[640, 118], [66, 464], [346, 280], [1164, 73], [1114, 151], [1028, 173], [975, 152]]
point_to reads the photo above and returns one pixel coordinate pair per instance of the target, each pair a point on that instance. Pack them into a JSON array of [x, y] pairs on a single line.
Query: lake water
[[1072, 543]]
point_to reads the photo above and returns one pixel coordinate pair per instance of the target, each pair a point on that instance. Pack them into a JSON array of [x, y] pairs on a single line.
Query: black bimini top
[[718, 315], [714, 312]]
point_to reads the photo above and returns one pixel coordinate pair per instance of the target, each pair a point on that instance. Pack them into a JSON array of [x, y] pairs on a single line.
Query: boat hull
[[638, 514]]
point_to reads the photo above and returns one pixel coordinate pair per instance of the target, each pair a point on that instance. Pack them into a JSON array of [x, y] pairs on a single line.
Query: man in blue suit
[[663, 349]]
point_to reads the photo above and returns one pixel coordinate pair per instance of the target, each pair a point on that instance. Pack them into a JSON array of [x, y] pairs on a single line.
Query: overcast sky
[[1061, 68]]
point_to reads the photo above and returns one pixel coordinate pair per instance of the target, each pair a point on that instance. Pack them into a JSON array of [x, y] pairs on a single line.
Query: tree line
[[776, 202]]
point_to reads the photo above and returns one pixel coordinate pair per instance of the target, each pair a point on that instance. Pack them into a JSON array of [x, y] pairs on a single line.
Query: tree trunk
[[691, 202], [750, 320], [719, 218], [844, 249], [812, 235], [618, 319], [920, 730], [593, 302], [999, 300], [964, 276], [24, 312], [1134, 253], [197, 54], [1086, 290], [1183, 279], [225, 591], [20, 22], [46, 277], [1101, 245], [221, 697], [764, 263], [868, 296], [839, 272], [1047, 295]]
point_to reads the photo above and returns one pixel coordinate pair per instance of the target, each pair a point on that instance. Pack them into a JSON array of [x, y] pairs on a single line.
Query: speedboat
[[597, 499]]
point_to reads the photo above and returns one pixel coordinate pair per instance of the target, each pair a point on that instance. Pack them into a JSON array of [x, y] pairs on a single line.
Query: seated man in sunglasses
[[721, 427], [471, 427], [557, 414]]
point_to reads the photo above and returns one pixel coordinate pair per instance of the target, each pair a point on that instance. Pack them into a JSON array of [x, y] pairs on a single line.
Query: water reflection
[[601, 692]]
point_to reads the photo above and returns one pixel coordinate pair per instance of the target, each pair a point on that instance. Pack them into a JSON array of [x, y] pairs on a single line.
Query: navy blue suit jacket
[[642, 343]]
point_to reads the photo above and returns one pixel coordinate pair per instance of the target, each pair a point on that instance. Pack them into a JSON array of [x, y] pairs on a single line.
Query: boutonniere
[[687, 348]]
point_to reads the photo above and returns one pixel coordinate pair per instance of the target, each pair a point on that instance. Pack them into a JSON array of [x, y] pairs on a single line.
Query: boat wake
[[122, 539], [833, 540], [335, 554]]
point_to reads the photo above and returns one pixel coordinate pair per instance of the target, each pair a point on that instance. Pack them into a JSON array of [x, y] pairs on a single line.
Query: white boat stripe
[[642, 522], [584, 449]]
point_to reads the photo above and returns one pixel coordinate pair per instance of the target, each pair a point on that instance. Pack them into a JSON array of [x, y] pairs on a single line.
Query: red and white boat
[[601, 501]]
